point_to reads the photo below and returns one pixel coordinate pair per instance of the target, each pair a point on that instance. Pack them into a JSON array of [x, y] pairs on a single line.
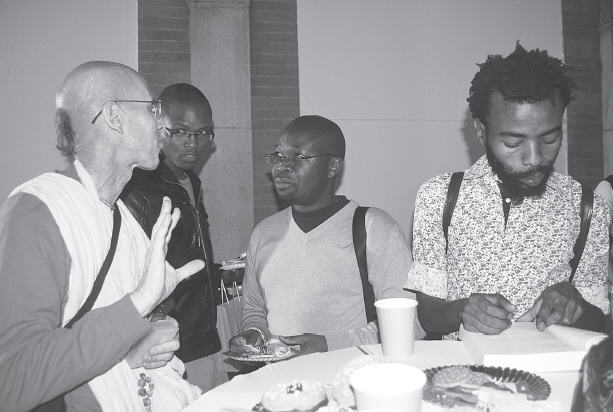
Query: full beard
[[511, 182]]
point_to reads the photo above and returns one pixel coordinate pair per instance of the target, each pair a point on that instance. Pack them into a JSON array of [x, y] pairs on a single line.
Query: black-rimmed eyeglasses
[[182, 135], [275, 158], [156, 107]]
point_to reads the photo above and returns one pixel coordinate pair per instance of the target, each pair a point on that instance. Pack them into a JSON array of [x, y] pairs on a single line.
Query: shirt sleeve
[[592, 272], [254, 315], [388, 259], [428, 273], [605, 190], [39, 359]]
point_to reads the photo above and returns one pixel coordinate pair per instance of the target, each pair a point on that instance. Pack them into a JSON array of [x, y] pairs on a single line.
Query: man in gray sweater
[[302, 281]]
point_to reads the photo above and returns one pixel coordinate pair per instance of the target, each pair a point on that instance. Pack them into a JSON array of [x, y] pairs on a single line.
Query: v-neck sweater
[[297, 282]]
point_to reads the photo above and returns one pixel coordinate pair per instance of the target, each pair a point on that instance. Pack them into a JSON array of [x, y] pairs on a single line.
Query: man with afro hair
[[508, 250]]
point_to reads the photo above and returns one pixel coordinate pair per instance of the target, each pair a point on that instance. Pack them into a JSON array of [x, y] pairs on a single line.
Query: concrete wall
[[220, 67], [40, 42], [395, 75]]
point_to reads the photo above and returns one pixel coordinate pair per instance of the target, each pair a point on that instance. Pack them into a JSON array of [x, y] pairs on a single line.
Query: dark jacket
[[192, 303]]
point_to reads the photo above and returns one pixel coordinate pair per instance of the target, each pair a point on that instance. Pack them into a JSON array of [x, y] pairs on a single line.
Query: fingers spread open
[[175, 216], [189, 269], [160, 231], [164, 210]]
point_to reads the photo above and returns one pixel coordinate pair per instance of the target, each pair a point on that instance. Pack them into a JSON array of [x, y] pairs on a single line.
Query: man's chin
[[285, 197], [533, 181], [519, 190], [187, 165]]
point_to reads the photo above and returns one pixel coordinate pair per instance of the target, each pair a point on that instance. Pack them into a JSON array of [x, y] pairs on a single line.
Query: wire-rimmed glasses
[[156, 107], [182, 135], [276, 158]]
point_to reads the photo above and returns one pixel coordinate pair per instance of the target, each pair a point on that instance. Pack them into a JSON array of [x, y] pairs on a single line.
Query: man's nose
[[533, 153], [190, 140], [283, 165]]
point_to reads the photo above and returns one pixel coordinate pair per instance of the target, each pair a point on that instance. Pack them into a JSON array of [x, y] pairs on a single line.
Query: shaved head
[[82, 94], [179, 97], [324, 133]]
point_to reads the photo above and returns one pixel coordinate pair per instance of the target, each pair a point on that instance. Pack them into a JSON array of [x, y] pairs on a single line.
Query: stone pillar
[[606, 59], [219, 43]]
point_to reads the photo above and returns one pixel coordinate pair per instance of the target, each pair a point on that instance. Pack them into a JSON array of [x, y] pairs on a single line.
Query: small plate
[[254, 357], [233, 265], [537, 387]]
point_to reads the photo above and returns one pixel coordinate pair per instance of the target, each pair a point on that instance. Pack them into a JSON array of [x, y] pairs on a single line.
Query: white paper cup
[[397, 327], [388, 386]]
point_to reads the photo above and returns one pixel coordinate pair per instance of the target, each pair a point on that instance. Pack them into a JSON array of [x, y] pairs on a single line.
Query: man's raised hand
[[159, 279]]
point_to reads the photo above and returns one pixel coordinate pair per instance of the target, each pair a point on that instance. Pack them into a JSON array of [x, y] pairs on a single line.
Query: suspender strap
[[93, 295], [610, 180], [587, 203], [359, 243], [452, 197]]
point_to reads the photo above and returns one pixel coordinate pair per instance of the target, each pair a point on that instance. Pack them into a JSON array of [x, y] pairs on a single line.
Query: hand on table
[[559, 303], [487, 313], [309, 342], [160, 279], [245, 341], [157, 348]]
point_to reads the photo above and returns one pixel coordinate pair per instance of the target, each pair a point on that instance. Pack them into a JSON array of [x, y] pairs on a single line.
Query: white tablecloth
[[244, 391]]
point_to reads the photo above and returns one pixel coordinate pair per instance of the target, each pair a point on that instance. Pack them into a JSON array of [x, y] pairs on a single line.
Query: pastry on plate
[[294, 396]]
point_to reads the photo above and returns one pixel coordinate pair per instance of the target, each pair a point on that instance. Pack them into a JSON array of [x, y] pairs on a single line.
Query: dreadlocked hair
[[523, 76]]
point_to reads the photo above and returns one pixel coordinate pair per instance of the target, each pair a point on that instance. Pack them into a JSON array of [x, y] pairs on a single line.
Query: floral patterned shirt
[[518, 260]]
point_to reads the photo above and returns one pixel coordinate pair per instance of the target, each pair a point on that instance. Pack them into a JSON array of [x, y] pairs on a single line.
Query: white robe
[[86, 226]]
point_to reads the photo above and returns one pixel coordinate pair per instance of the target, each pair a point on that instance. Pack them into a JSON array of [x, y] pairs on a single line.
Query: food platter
[[535, 387], [234, 264], [262, 357]]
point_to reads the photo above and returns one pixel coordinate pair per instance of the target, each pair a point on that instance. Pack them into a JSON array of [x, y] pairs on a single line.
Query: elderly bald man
[[55, 232]]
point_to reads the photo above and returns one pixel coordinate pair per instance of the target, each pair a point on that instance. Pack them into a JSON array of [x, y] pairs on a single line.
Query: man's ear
[[111, 115], [335, 165], [480, 130]]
